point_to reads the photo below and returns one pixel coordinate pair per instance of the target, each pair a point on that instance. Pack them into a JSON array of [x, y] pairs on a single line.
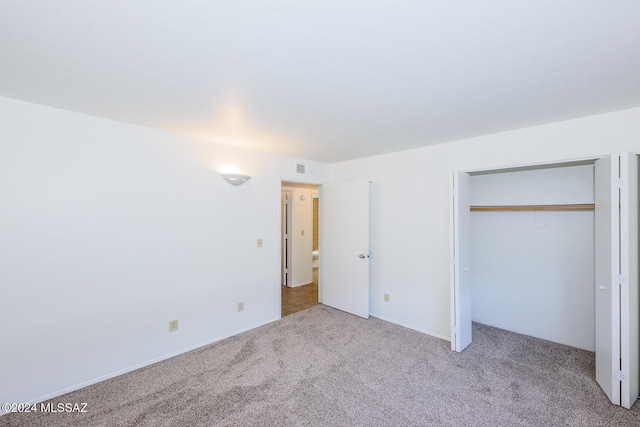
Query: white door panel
[[606, 291], [461, 333], [629, 272], [344, 245]]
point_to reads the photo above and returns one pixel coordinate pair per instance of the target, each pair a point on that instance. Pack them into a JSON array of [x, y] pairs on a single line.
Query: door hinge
[[619, 279], [454, 330], [618, 182], [619, 375]]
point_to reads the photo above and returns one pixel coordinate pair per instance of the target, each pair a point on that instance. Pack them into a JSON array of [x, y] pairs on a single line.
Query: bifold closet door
[[607, 293], [629, 299], [616, 278], [461, 334]]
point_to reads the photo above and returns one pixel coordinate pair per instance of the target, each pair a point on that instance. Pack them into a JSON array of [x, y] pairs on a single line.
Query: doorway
[[532, 252], [342, 264], [299, 246], [523, 240], [616, 282]]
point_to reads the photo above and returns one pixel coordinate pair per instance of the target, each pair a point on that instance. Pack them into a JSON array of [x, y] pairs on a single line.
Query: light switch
[[302, 232], [259, 243]]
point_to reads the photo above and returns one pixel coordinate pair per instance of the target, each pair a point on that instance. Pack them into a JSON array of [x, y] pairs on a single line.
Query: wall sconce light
[[235, 178]]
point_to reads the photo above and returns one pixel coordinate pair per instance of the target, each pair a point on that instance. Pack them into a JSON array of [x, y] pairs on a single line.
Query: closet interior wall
[[533, 271]]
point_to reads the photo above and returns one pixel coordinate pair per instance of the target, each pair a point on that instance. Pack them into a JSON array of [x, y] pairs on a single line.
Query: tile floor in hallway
[[299, 298]]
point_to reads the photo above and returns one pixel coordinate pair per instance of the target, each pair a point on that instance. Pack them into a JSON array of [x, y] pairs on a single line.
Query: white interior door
[[344, 246], [629, 302], [461, 334], [607, 291]]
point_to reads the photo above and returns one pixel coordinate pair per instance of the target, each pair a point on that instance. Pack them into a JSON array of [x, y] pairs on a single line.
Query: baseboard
[[301, 284], [193, 347], [404, 325], [141, 365]]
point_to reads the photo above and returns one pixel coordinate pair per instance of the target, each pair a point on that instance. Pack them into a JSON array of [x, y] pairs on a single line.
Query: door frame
[[285, 232], [454, 242], [319, 184]]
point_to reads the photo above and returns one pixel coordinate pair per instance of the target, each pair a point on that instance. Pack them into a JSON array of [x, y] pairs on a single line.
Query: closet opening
[[551, 251], [532, 251]]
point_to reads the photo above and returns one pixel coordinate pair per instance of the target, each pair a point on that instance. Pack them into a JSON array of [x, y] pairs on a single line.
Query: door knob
[[362, 256]]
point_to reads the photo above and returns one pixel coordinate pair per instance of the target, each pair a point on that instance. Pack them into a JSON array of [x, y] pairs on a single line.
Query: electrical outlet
[[173, 325], [259, 243], [386, 297], [240, 306]]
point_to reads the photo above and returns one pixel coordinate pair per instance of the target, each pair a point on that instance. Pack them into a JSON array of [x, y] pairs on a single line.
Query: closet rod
[[581, 207]]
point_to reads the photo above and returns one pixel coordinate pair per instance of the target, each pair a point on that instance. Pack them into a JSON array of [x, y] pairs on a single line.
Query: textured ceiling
[[324, 80]]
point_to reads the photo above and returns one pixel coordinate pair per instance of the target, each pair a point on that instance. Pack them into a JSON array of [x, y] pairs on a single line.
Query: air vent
[[300, 169]]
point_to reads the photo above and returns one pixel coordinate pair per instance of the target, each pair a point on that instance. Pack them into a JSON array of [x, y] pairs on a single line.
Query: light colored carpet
[[327, 368]]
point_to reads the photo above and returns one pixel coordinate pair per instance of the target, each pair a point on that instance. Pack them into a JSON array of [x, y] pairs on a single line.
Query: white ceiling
[[324, 80]]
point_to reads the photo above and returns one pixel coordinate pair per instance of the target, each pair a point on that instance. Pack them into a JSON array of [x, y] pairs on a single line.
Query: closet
[[532, 252], [551, 251]]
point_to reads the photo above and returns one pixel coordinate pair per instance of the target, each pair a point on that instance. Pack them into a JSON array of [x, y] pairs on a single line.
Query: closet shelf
[[580, 207]]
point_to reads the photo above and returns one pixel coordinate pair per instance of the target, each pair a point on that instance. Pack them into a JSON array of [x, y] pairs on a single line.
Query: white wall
[[301, 263], [546, 185], [108, 231], [532, 272], [410, 205]]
